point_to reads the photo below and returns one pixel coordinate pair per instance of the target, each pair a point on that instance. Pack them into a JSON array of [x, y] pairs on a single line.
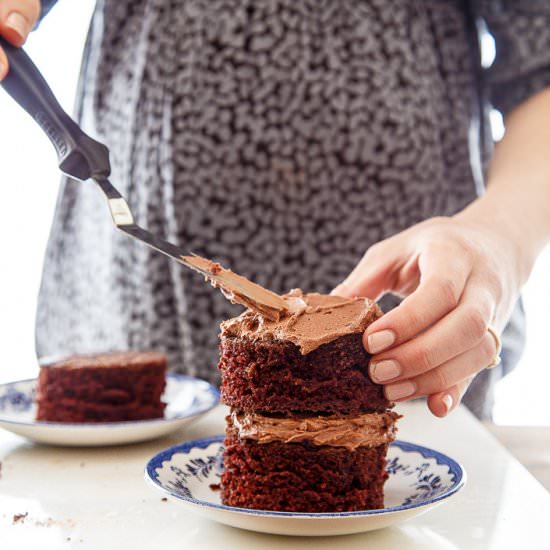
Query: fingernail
[[448, 402], [400, 390], [18, 23], [382, 371], [2, 70], [381, 340]]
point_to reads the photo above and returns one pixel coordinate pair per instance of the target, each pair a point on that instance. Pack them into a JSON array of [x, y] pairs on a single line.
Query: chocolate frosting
[[238, 289], [351, 432], [310, 321]]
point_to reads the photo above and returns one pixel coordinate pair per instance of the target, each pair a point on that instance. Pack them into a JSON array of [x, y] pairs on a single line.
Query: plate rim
[[157, 460], [210, 389]]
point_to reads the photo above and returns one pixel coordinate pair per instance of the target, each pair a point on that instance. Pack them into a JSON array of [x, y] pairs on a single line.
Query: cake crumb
[[17, 518], [164, 499], [215, 486]]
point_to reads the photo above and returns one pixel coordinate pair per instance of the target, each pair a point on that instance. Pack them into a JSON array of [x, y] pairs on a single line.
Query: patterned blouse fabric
[[280, 137]]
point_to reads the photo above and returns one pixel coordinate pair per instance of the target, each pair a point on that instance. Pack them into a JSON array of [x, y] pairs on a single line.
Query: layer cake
[[107, 387], [308, 430]]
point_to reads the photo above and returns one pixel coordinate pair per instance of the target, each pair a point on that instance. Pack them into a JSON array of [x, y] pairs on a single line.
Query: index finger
[[442, 281]]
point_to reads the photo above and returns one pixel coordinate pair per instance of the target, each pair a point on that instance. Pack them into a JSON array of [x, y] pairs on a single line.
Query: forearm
[[517, 200]]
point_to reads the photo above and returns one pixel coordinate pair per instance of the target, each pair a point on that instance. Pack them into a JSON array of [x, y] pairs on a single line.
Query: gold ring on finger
[[498, 346]]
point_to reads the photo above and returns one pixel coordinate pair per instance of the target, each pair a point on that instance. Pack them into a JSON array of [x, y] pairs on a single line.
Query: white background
[[28, 190]]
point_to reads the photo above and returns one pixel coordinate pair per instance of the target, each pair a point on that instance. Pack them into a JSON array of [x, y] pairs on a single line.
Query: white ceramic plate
[[186, 399], [419, 479]]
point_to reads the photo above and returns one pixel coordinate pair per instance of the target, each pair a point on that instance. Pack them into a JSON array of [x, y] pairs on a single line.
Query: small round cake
[[308, 430], [106, 387]]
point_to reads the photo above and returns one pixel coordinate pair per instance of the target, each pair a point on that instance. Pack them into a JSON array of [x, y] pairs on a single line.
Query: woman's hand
[[458, 276], [17, 18], [462, 274]]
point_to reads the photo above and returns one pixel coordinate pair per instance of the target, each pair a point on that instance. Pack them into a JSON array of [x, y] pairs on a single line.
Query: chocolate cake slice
[[308, 430], [108, 387]]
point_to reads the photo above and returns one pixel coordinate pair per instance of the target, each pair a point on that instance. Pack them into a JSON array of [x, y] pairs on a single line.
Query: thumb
[[376, 273], [17, 18]]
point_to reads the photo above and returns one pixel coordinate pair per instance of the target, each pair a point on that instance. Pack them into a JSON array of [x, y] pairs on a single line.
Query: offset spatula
[[83, 158]]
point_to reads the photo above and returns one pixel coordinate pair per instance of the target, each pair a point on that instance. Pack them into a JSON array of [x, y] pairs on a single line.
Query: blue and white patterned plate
[[186, 399], [419, 479]]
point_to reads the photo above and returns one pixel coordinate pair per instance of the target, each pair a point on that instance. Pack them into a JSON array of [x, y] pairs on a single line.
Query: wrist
[[507, 219]]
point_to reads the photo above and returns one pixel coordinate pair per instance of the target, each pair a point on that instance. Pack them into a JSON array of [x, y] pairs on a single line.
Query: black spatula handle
[[79, 155]]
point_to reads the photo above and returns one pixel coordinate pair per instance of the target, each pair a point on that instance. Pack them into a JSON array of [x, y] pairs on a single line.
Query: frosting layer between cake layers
[[351, 432]]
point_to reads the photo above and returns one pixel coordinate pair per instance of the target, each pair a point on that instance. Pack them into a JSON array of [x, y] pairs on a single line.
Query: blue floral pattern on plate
[[418, 477], [16, 398]]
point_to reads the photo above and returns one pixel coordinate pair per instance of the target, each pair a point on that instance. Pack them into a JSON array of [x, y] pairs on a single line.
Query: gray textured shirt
[[280, 137]]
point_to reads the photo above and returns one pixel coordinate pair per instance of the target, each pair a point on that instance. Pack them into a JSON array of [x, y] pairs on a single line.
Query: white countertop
[[97, 498]]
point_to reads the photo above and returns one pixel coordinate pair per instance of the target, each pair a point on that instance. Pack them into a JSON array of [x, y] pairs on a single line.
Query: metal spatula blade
[[236, 287], [82, 158]]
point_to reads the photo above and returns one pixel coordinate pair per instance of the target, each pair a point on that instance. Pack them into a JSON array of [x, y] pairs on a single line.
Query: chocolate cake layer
[[102, 388], [275, 377], [301, 477]]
